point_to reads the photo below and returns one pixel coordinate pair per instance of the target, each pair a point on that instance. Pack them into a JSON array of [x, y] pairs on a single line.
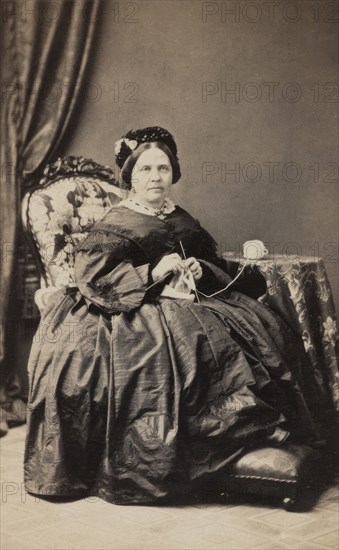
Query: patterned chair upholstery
[[73, 194]]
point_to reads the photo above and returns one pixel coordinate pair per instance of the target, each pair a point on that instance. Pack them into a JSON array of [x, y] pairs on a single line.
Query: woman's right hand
[[172, 263]]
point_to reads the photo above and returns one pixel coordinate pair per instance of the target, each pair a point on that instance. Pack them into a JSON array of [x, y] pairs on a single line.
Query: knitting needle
[[195, 288]]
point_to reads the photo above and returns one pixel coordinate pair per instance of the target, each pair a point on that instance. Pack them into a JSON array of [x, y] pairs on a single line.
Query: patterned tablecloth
[[299, 291]]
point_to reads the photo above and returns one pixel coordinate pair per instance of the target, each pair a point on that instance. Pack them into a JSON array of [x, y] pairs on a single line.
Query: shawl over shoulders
[[130, 242], [113, 263]]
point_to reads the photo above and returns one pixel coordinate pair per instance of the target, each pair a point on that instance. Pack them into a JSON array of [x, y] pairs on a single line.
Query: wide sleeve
[[110, 277], [251, 282]]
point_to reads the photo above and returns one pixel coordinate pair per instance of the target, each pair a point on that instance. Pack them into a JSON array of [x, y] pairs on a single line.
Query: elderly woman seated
[[169, 371]]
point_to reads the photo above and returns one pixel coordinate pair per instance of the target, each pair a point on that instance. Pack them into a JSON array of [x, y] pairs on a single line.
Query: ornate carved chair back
[[73, 194]]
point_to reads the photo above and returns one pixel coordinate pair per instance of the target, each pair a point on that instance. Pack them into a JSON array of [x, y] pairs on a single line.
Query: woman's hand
[[195, 268], [172, 263]]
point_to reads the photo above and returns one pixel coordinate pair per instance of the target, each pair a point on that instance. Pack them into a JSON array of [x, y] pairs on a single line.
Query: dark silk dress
[[137, 398]]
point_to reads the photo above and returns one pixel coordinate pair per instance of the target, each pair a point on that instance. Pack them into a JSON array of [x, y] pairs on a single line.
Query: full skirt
[[140, 407]]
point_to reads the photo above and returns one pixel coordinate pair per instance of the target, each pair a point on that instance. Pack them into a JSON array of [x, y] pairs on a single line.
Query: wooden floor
[[32, 523]]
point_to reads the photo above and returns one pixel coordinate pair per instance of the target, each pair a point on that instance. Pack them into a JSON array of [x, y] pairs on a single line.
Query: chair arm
[[41, 296]]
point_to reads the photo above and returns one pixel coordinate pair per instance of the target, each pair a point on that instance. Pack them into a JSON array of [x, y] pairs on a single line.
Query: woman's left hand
[[195, 268]]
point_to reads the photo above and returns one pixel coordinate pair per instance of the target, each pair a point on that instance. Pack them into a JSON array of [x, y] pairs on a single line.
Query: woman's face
[[152, 177]]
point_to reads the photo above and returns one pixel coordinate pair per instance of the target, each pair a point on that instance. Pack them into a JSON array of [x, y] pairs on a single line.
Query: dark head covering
[[129, 143]]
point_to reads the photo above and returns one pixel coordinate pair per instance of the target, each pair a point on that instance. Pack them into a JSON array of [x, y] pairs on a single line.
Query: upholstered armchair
[[71, 196], [73, 193]]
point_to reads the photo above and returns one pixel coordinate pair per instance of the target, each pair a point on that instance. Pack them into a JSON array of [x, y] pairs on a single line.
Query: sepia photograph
[[169, 275]]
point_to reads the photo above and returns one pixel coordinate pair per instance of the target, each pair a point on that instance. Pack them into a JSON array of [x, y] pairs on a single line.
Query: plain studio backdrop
[[248, 90]]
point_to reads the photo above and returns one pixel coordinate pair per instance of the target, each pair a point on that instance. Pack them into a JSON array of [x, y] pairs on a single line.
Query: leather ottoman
[[287, 474]]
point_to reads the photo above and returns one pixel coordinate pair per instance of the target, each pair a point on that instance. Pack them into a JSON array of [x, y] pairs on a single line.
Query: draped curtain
[[46, 48]]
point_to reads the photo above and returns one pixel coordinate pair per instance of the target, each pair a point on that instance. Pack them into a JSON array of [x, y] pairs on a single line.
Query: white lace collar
[[161, 213]]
